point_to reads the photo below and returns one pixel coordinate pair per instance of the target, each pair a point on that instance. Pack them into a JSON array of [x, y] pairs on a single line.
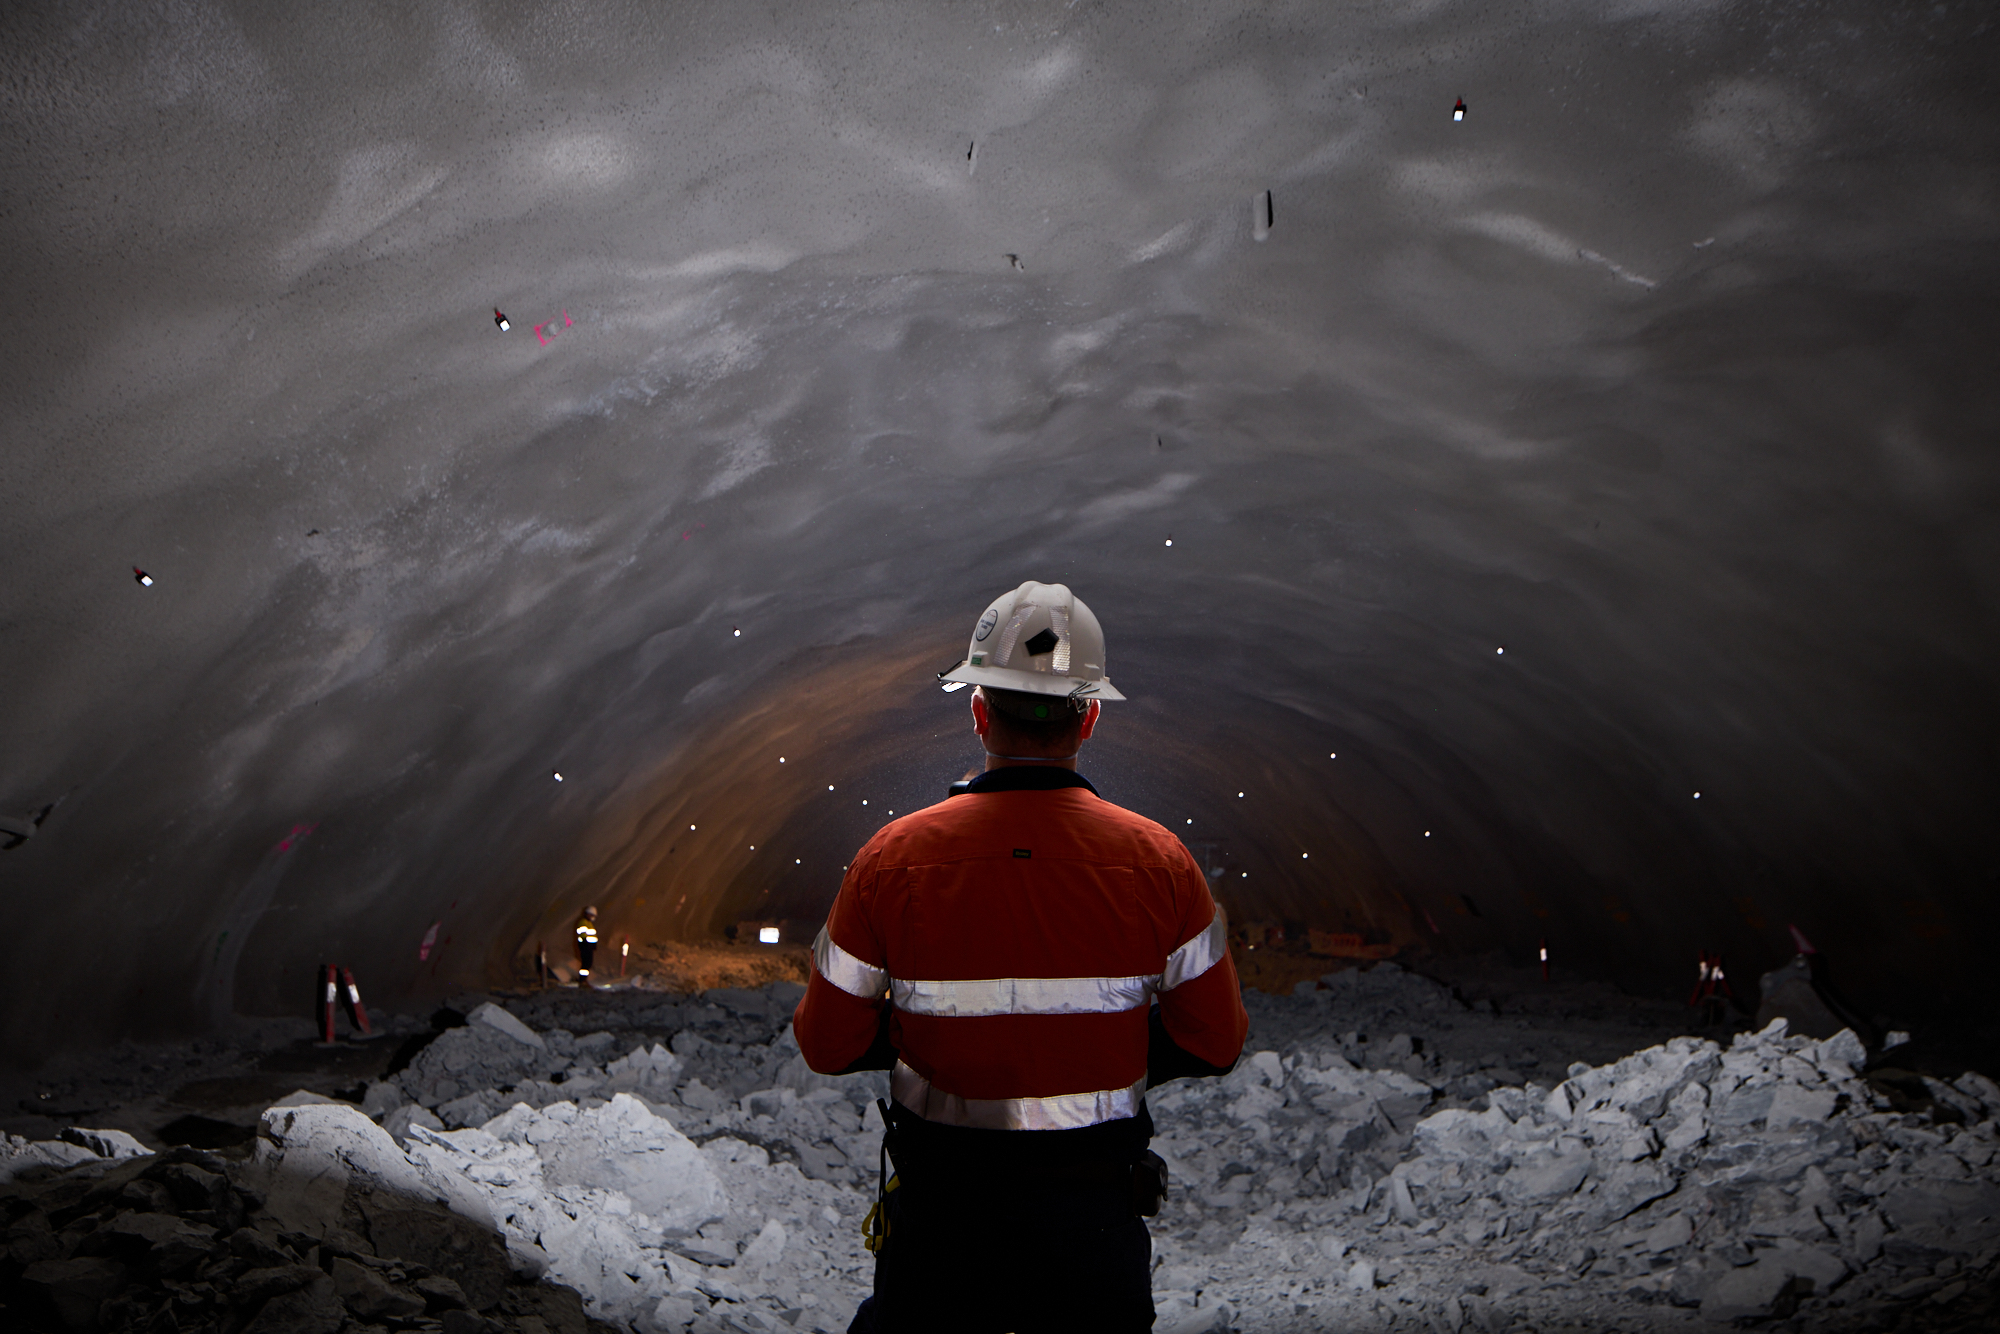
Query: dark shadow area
[[179, 1241], [195, 1131]]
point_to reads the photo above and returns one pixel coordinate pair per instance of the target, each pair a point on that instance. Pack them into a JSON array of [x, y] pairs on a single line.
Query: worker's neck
[[1023, 762]]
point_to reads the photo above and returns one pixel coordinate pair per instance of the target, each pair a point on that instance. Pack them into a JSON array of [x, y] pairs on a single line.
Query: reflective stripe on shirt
[[1068, 1111], [1198, 954], [845, 971], [970, 997], [1024, 995]]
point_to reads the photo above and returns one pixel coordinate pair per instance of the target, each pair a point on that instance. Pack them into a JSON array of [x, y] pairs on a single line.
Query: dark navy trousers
[[1019, 1257]]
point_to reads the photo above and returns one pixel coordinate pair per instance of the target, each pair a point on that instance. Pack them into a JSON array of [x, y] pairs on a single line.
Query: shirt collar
[[1023, 778]]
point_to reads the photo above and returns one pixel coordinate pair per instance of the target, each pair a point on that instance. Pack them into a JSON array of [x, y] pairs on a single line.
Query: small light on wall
[[735, 632], [1190, 819], [767, 935], [1246, 875], [1333, 755], [1458, 111], [1304, 855], [1170, 541], [690, 829], [1239, 794], [500, 320], [1499, 650], [140, 577], [797, 862], [864, 801], [753, 847], [829, 787], [1697, 796], [559, 775]]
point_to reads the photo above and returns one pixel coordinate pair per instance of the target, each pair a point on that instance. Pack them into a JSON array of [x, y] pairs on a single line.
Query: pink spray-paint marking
[[299, 832], [430, 939], [1799, 939], [551, 327]]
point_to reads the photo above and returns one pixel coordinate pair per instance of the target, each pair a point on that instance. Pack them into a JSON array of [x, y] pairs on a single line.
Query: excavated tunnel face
[[1571, 520]]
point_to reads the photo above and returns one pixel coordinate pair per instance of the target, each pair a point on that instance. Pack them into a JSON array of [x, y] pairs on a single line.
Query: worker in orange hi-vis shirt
[[1027, 959]]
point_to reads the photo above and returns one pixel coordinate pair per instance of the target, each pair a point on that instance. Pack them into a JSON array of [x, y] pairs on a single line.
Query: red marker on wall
[[500, 320], [1458, 110], [141, 578]]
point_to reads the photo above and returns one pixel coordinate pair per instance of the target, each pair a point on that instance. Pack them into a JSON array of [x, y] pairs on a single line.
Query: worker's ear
[[1090, 719], [982, 714]]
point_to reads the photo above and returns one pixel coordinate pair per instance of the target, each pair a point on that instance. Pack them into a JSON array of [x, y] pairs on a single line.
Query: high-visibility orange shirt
[[1021, 936]]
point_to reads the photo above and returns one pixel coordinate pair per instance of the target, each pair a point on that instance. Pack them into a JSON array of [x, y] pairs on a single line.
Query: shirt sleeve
[[839, 1018], [1201, 1000]]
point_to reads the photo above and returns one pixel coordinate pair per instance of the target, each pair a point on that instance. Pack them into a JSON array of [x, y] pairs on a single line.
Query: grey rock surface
[[1335, 1180]]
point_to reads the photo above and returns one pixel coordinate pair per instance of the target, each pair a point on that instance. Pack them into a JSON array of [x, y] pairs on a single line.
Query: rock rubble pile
[[184, 1241], [1384, 1157], [1686, 1184]]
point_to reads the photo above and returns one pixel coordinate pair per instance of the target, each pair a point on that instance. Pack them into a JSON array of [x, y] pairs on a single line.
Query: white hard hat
[[1041, 639]]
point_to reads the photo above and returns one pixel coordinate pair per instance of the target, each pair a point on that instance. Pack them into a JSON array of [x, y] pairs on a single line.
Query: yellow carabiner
[[875, 1227]]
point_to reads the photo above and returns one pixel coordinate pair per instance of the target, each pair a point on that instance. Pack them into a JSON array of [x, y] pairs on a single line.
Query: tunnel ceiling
[[1669, 370]]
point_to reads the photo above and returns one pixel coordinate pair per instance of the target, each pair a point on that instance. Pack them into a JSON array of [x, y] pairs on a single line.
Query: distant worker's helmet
[[1040, 639]]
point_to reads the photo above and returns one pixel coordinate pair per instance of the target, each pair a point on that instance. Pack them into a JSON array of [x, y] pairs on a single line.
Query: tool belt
[[1142, 1182]]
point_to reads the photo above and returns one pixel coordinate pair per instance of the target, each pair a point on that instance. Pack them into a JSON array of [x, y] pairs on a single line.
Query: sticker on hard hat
[[979, 660], [986, 623]]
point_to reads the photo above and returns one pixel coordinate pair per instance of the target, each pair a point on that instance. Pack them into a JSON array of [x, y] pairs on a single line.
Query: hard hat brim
[[1032, 683]]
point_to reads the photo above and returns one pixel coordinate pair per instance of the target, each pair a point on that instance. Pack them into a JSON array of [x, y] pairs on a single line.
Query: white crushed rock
[[1380, 1159]]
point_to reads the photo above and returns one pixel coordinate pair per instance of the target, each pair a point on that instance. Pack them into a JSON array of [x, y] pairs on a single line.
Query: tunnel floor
[[1392, 1153]]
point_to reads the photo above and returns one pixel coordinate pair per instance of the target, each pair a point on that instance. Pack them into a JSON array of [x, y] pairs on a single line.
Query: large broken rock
[[76, 1287], [1551, 1174], [114, 1144], [502, 1021], [1772, 1284], [649, 1072], [18, 1155], [622, 1146], [308, 1157], [474, 1256], [311, 1309], [1789, 993], [487, 1052]]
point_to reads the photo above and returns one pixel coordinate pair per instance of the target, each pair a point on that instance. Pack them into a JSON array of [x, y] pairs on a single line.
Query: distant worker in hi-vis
[[1026, 959], [586, 944]]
